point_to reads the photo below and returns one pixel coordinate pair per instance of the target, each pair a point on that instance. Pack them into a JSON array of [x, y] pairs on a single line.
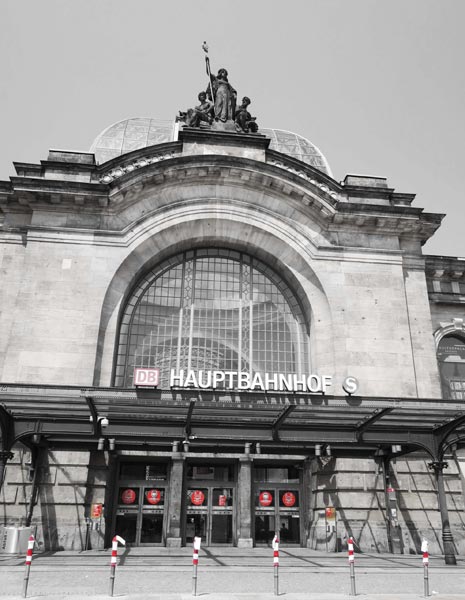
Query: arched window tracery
[[211, 309]]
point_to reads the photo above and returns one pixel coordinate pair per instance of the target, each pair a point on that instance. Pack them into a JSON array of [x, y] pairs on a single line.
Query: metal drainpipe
[[459, 469], [5, 455], [35, 453]]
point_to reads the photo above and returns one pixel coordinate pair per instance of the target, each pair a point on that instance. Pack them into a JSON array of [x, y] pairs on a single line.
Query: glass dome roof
[[135, 133]]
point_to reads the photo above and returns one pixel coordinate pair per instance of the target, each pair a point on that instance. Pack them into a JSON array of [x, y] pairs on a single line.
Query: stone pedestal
[[244, 483], [173, 531]]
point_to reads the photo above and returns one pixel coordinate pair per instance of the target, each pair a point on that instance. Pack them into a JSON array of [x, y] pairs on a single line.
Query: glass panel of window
[[211, 472], [451, 358], [139, 471], [276, 474]]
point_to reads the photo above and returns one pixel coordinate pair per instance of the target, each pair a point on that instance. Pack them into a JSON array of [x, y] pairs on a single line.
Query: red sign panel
[[146, 377], [288, 499], [128, 496], [96, 511], [222, 500], [330, 513], [197, 497], [265, 498], [153, 496]]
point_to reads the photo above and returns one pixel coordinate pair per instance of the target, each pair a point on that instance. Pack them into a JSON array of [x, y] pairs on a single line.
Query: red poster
[[222, 500], [197, 497], [330, 513], [153, 496], [288, 499], [128, 496], [265, 498], [96, 511]]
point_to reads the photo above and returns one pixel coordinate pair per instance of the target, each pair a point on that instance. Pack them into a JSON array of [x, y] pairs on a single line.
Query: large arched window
[[451, 357], [211, 309]]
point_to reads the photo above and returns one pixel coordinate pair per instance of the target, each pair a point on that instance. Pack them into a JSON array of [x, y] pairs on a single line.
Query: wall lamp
[[101, 444], [102, 421], [320, 448]]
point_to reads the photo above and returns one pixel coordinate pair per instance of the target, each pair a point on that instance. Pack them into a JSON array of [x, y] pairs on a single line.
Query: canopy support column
[[447, 538]]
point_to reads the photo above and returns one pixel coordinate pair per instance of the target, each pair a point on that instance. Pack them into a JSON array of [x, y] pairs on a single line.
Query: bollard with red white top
[[195, 562], [113, 561], [275, 545], [424, 549], [30, 548], [350, 548]]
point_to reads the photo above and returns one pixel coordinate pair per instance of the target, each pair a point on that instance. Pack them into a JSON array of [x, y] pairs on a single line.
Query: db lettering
[[146, 377]]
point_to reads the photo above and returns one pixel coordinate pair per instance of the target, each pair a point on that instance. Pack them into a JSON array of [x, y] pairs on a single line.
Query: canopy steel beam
[[188, 425], [94, 416], [368, 421], [280, 420]]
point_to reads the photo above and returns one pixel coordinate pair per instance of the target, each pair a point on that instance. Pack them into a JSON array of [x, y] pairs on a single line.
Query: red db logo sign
[[153, 496], [197, 497], [128, 496], [146, 377], [265, 498], [288, 499]]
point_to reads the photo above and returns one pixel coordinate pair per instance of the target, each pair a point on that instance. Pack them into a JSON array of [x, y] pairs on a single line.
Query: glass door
[[277, 505], [210, 504], [140, 504]]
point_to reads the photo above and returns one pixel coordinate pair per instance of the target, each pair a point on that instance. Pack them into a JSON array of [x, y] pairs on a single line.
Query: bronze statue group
[[218, 107]]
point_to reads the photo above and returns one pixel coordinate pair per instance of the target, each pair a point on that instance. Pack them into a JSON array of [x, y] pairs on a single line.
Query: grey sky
[[378, 86]]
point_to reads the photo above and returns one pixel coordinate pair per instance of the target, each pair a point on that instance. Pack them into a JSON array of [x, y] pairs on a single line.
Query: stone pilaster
[[173, 531], [244, 513]]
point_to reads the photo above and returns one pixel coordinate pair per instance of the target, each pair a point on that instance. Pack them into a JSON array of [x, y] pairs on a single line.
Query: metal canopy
[[72, 416]]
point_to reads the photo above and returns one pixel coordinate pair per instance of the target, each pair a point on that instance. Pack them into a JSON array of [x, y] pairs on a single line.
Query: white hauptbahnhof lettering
[[267, 382]]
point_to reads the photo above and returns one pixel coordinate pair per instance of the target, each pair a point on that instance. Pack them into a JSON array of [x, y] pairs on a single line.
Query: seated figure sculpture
[[201, 113], [244, 121]]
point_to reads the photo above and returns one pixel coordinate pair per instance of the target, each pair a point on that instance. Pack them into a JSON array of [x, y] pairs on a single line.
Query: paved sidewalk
[[229, 574]]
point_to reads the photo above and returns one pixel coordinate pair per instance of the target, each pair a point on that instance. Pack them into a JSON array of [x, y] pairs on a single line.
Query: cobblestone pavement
[[227, 574]]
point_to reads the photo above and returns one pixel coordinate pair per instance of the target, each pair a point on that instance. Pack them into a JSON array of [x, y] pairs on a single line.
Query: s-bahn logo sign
[[234, 380]]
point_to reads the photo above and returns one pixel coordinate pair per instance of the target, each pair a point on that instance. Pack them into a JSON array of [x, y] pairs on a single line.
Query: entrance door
[[210, 504], [140, 506], [277, 501]]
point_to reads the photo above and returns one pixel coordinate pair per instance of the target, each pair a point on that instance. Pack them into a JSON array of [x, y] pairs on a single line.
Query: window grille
[[211, 309]]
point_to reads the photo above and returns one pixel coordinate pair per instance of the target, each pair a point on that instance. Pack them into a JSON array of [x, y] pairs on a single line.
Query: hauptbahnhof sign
[[236, 380]]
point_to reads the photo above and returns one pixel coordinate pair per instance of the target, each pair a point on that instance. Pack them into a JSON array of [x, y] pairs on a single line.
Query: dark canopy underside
[[221, 421]]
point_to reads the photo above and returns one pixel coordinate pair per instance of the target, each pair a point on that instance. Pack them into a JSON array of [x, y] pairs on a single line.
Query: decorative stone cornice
[[58, 185]]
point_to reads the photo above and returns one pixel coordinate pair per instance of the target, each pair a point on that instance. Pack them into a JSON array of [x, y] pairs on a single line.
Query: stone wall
[[356, 489], [67, 484]]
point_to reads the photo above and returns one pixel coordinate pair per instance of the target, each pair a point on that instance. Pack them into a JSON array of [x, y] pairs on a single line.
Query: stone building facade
[[182, 248]]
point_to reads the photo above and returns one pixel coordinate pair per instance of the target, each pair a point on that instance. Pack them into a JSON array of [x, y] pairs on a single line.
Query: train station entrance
[[277, 501], [141, 502], [210, 503]]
